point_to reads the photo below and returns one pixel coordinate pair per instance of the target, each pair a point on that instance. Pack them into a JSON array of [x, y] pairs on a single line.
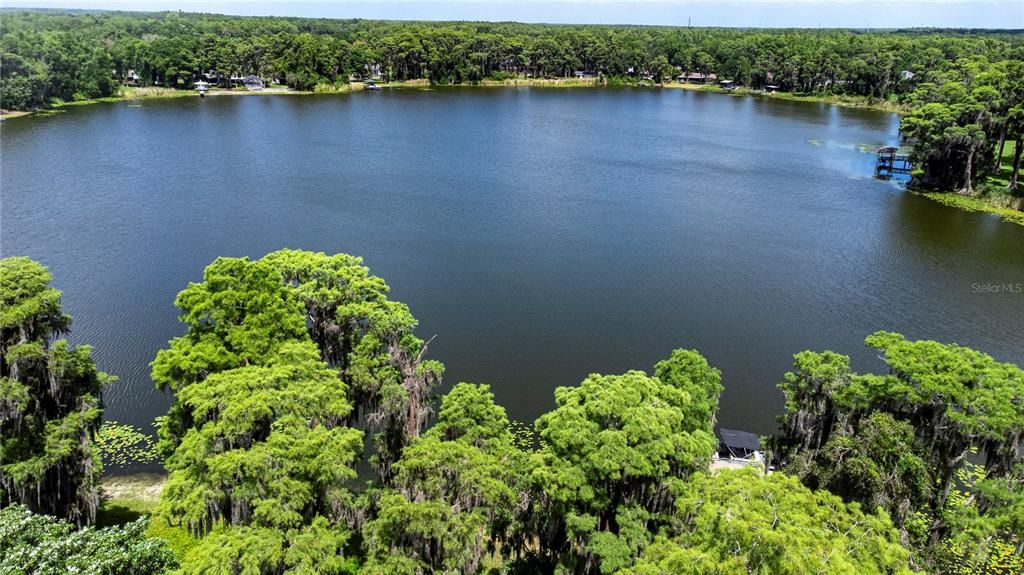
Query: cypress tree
[[50, 405]]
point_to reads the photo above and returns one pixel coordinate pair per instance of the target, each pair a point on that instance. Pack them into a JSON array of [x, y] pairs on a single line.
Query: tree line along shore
[[297, 368]]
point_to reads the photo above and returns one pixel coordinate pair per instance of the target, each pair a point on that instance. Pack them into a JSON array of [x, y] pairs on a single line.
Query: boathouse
[[734, 444], [889, 160]]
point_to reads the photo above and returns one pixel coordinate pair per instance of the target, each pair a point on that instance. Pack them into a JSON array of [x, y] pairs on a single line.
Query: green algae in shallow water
[[525, 436], [972, 204], [861, 147], [123, 445]]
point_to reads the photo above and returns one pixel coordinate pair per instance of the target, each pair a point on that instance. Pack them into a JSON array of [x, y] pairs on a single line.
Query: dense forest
[[964, 89], [87, 54], [307, 436]]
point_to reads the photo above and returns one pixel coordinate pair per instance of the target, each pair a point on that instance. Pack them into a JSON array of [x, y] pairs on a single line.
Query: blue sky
[[741, 13]]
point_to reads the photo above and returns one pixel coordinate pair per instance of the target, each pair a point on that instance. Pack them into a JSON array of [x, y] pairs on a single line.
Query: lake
[[540, 234]]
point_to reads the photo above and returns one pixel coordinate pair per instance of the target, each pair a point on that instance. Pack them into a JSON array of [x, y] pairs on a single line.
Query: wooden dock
[[890, 160]]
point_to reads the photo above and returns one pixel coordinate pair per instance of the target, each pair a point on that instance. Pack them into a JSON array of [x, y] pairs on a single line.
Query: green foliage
[[876, 464], [439, 538], [177, 539], [738, 522], [611, 427], [239, 315], [900, 440], [266, 446], [986, 519], [959, 118], [54, 55], [49, 400], [40, 545], [689, 372], [469, 416], [963, 90], [612, 447], [317, 548], [370, 339], [455, 491], [281, 356]]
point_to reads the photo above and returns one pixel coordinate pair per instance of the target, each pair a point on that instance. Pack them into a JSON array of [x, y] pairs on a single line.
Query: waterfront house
[[252, 82], [698, 78], [129, 78]]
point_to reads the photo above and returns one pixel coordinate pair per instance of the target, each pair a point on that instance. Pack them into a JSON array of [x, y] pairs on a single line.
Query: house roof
[[739, 439]]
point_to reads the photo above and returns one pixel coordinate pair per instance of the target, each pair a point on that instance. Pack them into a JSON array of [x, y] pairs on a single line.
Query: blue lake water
[[540, 234]]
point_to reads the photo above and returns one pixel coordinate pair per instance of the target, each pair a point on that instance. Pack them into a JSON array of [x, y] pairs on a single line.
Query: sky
[[735, 13]]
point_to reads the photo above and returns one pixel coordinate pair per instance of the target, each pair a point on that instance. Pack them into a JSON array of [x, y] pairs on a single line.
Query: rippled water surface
[[541, 234]]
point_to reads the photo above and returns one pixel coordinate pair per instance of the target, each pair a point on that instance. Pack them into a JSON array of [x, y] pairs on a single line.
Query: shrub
[[41, 545]]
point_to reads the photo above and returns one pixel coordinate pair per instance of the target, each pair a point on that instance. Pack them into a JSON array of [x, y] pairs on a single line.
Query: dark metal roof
[[739, 439]]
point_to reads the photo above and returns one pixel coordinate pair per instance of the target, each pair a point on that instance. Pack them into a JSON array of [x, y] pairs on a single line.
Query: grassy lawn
[[125, 499], [1002, 177]]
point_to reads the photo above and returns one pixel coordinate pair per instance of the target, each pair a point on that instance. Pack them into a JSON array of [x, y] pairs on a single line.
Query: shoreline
[[14, 114], [858, 102], [990, 196], [834, 100], [142, 489], [971, 204], [157, 93]]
